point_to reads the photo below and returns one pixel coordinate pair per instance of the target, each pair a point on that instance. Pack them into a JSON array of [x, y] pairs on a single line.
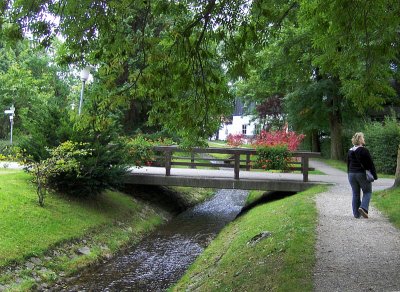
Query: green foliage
[[85, 168], [167, 64], [8, 152], [140, 151], [39, 91], [103, 169], [166, 56], [328, 64], [62, 161], [273, 157], [355, 46], [383, 140], [44, 127]]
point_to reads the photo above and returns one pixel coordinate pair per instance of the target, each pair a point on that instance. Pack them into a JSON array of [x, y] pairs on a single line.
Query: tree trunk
[[397, 176], [315, 143], [336, 129]]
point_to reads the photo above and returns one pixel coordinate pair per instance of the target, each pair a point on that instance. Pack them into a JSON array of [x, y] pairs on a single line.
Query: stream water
[[162, 258]]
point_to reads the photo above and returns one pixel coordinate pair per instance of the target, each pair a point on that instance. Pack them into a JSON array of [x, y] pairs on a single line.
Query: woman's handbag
[[370, 177]]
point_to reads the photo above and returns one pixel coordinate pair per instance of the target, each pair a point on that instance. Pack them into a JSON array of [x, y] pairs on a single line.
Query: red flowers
[[235, 140], [274, 138]]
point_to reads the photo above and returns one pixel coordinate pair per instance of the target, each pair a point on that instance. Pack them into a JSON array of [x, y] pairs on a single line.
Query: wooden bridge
[[221, 173]]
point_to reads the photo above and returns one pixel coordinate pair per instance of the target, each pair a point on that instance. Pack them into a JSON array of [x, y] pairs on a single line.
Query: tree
[[357, 42], [29, 82], [176, 54], [307, 45], [167, 52]]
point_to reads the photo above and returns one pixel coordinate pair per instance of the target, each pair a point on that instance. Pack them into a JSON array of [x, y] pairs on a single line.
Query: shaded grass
[[388, 201], [338, 164], [281, 262]]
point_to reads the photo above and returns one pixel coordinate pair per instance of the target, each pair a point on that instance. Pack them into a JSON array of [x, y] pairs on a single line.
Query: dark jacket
[[359, 160]]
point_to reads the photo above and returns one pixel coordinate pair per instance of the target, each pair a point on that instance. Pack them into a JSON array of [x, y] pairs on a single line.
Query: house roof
[[241, 109]]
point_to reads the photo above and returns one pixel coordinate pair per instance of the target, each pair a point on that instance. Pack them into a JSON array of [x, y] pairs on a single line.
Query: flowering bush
[[235, 140], [273, 138], [273, 157]]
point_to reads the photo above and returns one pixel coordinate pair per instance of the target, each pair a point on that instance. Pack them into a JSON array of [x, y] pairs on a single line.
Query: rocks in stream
[[35, 261], [84, 250], [37, 269]]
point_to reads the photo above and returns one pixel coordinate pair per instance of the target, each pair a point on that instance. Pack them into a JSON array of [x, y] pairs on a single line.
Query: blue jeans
[[358, 181]]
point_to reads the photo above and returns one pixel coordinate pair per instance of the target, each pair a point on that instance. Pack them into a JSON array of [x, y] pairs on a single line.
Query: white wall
[[236, 127]]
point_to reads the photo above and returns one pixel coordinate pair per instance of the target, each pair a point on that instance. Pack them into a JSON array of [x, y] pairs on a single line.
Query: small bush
[[140, 151], [383, 140], [9, 153], [235, 140], [82, 169], [62, 160], [276, 157]]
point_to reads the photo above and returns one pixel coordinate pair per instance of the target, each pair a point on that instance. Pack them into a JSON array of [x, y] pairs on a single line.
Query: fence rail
[[233, 161]]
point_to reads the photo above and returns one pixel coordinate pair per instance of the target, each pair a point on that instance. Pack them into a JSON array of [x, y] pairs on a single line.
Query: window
[[244, 129]]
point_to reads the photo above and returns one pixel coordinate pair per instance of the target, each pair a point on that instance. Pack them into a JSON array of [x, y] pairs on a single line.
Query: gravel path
[[354, 254]]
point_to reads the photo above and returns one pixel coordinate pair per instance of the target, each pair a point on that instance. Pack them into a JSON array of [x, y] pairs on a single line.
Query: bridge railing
[[233, 161]]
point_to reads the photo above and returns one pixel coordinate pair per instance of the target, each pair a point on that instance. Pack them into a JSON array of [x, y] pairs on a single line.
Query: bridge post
[[237, 164], [248, 161], [192, 160], [168, 154], [304, 167]]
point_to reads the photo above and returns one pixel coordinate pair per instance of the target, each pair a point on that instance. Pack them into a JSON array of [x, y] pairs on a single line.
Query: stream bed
[[162, 258]]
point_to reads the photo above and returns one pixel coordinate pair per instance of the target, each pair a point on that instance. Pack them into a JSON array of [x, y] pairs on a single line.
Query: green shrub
[[46, 127], [8, 152], [103, 169], [140, 151], [81, 168], [273, 157], [62, 160], [383, 140]]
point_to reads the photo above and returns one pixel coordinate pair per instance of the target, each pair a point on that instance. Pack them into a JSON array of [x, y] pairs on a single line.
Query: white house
[[240, 123]]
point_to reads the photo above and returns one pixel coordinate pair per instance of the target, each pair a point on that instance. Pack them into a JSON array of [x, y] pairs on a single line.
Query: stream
[[162, 258]]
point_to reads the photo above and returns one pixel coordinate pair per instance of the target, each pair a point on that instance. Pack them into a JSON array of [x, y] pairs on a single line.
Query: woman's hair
[[356, 140]]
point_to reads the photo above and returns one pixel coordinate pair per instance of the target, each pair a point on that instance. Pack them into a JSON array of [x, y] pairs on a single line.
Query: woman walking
[[358, 161]]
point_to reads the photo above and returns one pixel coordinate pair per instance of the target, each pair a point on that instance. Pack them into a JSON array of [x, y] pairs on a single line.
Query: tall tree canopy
[[331, 60], [168, 53], [177, 56], [33, 85]]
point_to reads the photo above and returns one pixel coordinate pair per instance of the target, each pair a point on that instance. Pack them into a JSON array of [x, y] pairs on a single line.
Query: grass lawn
[[218, 144], [388, 201], [55, 232], [281, 262], [341, 165], [28, 229]]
